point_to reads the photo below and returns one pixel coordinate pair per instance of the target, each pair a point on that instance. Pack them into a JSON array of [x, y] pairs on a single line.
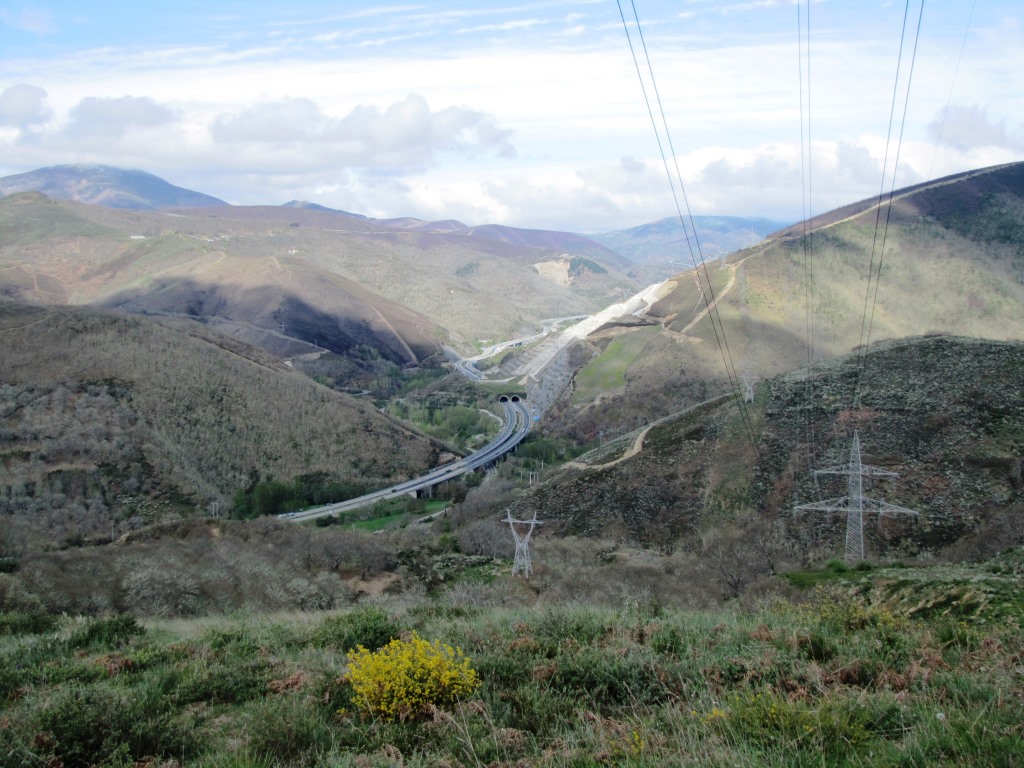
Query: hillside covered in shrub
[[110, 421], [946, 413]]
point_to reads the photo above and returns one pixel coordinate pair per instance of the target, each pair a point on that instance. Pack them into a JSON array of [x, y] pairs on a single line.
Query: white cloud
[[406, 137], [504, 26], [35, 20], [111, 117], [253, 116], [24, 105], [965, 128], [279, 122]]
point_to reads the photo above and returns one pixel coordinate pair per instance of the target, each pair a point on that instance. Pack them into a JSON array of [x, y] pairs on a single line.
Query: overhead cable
[[709, 295], [875, 276]]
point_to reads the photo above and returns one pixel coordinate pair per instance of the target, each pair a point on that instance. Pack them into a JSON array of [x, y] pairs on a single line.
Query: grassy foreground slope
[[838, 678], [111, 420]]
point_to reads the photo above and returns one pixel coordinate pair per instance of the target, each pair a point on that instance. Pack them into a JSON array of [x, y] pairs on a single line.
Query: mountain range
[[667, 247], [811, 318], [107, 186], [300, 276], [297, 278]]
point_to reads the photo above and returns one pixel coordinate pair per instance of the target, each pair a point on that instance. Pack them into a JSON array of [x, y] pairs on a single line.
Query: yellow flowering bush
[[404, 678]]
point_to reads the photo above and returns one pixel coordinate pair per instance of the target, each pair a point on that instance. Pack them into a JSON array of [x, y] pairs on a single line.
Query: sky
[[527, 113]]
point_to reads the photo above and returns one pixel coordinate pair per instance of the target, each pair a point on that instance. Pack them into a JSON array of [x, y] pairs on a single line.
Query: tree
[[12, 546]]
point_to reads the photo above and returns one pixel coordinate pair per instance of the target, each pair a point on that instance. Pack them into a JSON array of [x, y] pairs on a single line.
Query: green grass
[[835, 681], [379, 523], [509, 388], [835, 570], [608, 370], [390, 514]]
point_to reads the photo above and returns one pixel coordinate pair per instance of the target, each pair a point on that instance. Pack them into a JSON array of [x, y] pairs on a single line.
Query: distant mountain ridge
[[108, 186], [648, 253], [664, 247], [308, 206], [658, 245], [296, 279]]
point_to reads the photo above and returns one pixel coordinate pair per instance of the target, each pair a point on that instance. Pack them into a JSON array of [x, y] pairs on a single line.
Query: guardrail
[[514, 430]]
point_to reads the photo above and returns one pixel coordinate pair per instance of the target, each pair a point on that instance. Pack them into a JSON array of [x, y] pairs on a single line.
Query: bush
[[606, 677], [842, 612], [26, 623], [580, 625], [370, 628], [10, 681], [95, 725], [224, 683], [111, 632], [403, 680]]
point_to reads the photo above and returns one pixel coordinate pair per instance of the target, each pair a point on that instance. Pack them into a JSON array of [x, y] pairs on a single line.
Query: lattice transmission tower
[[749, 380], [522, 563], [855, 503]]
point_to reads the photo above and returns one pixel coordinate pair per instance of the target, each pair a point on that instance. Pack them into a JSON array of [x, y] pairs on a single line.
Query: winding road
[[514, 430]]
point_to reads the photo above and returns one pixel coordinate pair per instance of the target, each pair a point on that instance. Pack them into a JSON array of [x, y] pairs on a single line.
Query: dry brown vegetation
[[197, 568], [109, 421], [112, 422], [328, 279], [946, 413]]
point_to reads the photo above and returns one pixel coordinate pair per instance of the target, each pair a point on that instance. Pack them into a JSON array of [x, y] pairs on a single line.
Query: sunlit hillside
[[951, 261]]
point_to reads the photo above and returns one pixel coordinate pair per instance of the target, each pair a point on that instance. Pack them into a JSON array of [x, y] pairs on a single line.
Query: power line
[[806, 159], [952, 85], [895, 168], [868, 319], [854, 504], [805, 177], [710, 304]]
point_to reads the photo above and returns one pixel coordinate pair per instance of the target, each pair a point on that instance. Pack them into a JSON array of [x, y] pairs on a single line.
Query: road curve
[[514, 430]]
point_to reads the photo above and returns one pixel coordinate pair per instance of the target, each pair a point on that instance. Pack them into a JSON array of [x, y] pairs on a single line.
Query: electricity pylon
[[522, 563], [749, 380], [855, 502]]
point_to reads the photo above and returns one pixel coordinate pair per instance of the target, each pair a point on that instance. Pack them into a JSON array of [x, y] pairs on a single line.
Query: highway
[[467, 365], [514, 430]]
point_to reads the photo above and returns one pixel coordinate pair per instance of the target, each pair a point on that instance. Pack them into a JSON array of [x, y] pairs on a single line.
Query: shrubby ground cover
[[836, 678]]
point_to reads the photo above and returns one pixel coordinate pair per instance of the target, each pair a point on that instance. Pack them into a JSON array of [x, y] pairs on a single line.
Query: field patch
[[607, 371]]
